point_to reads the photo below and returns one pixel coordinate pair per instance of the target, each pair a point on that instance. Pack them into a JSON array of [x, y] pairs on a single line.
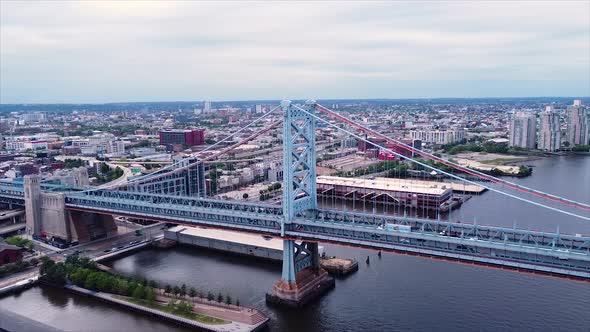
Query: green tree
[[219, 297], [228, 299], [92, 281], [192, 293], [139, 292], [238, 302], [210, 296], [17, 241], [176, 291], [105, 283], [121, 287], [153, 284], [581, 148], [183, 290], [150, 295], [131, 286], [46, 264], [56, 274], [104, 168], [168, 289]]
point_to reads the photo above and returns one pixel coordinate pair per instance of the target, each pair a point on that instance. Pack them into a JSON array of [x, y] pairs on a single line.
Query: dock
[[338, 266]]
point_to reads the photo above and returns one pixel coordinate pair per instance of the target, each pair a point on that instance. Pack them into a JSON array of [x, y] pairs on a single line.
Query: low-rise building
[[10, 253]]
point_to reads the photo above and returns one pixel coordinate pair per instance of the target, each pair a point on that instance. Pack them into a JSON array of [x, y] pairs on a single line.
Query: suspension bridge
[[177, 193]]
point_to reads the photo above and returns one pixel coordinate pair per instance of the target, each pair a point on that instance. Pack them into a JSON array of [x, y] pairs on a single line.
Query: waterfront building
[[549, 130], [578, 124], [404, 192], [523, 130]]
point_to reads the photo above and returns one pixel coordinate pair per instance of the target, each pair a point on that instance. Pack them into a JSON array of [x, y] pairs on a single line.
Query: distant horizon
[[299, 99], [92, 52]]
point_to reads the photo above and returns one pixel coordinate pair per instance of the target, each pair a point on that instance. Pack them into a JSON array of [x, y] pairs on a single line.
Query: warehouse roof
[[388, 184]]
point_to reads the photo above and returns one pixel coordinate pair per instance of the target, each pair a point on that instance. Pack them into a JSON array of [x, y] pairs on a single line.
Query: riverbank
[[215, 325], [84, 277]]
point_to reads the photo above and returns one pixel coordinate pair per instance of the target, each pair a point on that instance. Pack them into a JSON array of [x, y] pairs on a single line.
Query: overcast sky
[[83, 51]]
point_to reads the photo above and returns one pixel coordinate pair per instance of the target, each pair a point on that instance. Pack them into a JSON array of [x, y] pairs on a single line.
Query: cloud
[[99, 51]]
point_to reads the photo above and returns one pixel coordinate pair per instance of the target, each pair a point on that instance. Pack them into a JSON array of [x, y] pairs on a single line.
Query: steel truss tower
[[299, 185]]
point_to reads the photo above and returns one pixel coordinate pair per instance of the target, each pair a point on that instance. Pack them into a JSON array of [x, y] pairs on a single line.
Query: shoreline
[[173, 318]]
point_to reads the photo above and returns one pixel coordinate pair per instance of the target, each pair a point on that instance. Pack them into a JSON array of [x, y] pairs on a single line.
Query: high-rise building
[[523, 130], [549, 130], [206, 106], [578, 124]]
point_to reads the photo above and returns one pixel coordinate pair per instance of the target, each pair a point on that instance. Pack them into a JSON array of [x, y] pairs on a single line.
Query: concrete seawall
[[109, 298]]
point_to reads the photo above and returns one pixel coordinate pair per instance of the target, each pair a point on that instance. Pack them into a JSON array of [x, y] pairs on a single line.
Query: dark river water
[[394, 293]]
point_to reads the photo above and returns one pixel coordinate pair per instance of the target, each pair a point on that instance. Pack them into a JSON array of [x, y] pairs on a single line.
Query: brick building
[[10, 253], [188, 137]]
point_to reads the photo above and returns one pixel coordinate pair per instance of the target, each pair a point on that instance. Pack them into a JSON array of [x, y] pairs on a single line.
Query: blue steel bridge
[[176, 194]]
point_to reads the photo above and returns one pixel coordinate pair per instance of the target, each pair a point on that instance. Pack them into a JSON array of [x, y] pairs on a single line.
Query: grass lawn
[[192, 315]]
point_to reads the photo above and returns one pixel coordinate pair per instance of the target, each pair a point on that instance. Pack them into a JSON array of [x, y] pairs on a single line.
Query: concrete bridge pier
[[46, 215], [302, 280]]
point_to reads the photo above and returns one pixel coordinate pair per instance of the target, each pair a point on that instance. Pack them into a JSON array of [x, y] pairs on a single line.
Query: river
[[394, 293]]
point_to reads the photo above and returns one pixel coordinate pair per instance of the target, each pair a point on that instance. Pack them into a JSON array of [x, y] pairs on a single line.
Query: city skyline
[[294, 165], [111, 52]]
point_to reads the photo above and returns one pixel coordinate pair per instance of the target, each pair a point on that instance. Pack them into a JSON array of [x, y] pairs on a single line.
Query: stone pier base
[[309, 286]]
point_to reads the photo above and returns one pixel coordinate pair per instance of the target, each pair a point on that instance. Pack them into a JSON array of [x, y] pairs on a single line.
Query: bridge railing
[[178, 201], [197, 211], [483, 252], [14, 191], [471, 234]]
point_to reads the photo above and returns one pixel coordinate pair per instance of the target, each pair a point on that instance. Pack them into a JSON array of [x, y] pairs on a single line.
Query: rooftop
[[388, 184], [231, 236]]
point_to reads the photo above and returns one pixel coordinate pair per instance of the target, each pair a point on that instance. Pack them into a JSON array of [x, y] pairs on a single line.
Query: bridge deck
[[565, 255]]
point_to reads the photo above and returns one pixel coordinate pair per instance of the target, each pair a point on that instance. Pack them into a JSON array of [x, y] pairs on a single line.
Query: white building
[[116, 148], [26, 145], [101, 144], [523, 130], [206, 106], [33, 117], [549, 130], [449, 136]]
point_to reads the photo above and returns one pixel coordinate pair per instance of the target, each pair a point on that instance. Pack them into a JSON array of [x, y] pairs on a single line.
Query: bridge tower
[[302, 278]]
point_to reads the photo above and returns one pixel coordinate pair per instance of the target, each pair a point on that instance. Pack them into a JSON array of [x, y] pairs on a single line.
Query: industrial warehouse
[[406, 192]]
